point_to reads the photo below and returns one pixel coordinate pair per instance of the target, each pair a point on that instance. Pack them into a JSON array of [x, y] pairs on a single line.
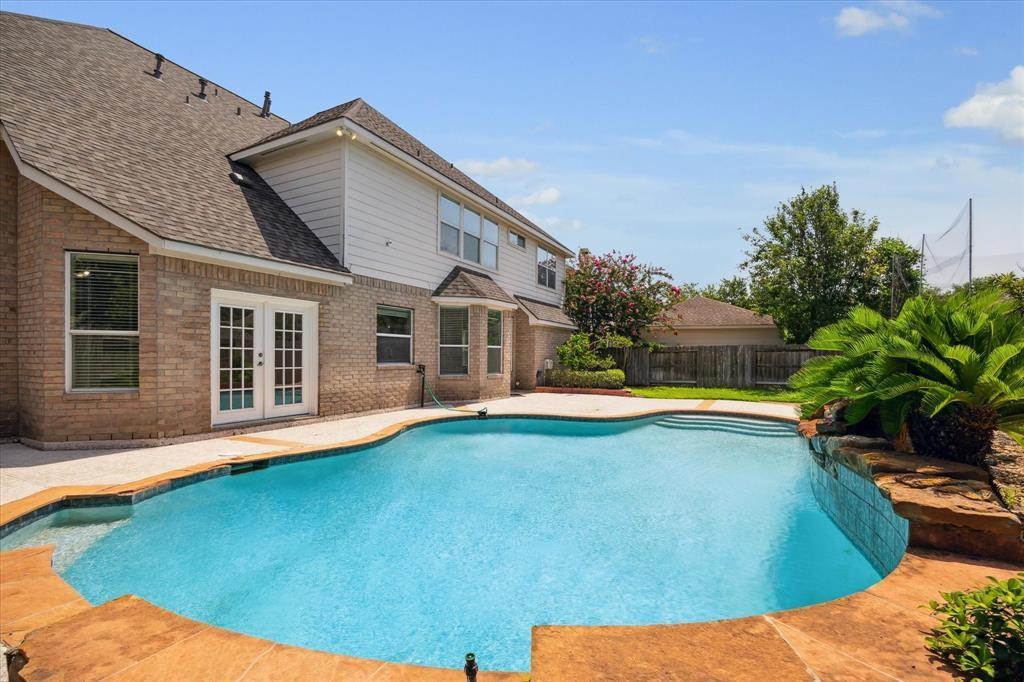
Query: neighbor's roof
[[707, 312], [545, 312], [361, 113], [465, 283], [80, 105]]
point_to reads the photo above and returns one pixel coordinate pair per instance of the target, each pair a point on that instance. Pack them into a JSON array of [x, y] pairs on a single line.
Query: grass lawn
[[777, 395]]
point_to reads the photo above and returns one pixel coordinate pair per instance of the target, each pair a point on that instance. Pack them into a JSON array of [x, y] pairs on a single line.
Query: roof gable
[[360, 112], [80, 105], [701, 311], [465, 283]]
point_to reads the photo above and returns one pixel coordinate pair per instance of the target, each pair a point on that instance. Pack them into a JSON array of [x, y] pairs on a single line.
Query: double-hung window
[[468, 234], [102, 314], [394, 335], [545, 268], [494, 344], [453, 337]]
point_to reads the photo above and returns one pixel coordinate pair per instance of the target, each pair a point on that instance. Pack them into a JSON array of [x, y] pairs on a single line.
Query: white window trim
[[310, 350], [484, 215], [522, 236], [500, 346], [68, 332], [412, 331], [469, 327], [544, 287]]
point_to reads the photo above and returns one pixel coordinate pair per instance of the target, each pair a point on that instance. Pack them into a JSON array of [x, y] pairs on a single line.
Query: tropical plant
[[951, 370], [982, 632], [613, 294]]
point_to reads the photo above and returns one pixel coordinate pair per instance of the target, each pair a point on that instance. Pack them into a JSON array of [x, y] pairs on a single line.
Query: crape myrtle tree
[[613, 296]]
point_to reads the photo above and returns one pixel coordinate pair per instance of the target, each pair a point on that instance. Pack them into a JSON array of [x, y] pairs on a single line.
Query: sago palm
[[951, 369]]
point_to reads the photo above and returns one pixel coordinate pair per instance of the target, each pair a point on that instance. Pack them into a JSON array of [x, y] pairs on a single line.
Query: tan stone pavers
[[31, 594], [742, 649]]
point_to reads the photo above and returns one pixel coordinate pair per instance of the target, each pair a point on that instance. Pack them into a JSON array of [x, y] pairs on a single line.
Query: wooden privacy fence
[[732, 366]]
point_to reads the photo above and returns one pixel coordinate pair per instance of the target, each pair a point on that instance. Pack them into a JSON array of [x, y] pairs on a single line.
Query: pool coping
[[807, 653]]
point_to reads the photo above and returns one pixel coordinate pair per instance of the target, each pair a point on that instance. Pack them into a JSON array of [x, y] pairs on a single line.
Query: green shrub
[[982, 634], [572, 378], [577, 354], [958, 361]]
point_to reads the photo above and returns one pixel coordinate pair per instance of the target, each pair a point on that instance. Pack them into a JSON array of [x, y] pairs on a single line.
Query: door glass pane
[[287, 372], [236, 357]]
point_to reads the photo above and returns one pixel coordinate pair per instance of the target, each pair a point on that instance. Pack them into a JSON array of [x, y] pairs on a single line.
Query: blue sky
[[668, 130]]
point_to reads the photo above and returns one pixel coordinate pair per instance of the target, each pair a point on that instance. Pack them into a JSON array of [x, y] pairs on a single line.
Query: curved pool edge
[[19, 513], [873, 634]]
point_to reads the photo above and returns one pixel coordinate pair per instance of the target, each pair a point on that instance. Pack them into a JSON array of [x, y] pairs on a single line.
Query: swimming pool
[[460, 536]]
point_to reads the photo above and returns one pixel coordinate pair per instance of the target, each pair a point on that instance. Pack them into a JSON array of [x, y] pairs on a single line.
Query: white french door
[[263, 358]]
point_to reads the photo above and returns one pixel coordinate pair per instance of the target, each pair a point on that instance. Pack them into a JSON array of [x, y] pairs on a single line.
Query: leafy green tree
[[734, 290], [807, 263], [614, 295], [893, 275]]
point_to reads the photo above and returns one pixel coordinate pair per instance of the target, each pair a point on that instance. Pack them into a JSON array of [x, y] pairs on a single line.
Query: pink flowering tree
[[614, 296]]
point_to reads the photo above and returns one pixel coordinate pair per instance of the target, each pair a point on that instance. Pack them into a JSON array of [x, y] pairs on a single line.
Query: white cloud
[[888, 15], [556, 225], [865, 133], [543, 197], [498, 167], [650, 45], [994, 106], [965, 51]]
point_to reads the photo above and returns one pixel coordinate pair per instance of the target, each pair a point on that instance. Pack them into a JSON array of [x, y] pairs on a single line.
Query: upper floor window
[[102, 321], [546, 268], [516, 239], [394, 335], [468, 234]]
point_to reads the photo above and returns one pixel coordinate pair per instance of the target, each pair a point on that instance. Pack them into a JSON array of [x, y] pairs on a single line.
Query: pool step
[[727, 424]]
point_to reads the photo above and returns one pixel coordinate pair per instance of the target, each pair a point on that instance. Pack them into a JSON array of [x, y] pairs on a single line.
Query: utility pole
[[970, 244]]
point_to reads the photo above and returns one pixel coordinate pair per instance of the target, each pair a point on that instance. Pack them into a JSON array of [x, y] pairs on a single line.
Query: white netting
[[947, 254]]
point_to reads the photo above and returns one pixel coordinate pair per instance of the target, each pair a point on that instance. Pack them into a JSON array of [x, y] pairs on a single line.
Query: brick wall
[[174, 355], [533, 345], [8, 294]]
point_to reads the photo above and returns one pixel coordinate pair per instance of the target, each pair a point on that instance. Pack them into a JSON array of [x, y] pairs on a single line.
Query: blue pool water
[[460, 536]]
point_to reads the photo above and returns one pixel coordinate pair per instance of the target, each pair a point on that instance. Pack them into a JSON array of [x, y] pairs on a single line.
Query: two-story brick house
[[174, 258]]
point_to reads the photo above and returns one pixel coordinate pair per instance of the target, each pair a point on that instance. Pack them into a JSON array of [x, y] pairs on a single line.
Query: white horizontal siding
[[390, 205], [309, 179]]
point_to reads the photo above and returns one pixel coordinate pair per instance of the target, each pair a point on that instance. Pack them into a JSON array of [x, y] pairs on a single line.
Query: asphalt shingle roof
[[80, 105], [465, 283], [360, 112], [706, 312], [545, 312]]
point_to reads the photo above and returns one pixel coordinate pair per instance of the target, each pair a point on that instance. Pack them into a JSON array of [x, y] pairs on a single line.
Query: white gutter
[[372, 140], [169, 247], [470, 300]]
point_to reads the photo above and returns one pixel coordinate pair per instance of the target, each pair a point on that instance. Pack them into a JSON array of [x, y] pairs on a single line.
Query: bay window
[[494, 341], [102, 322], [453, 340]]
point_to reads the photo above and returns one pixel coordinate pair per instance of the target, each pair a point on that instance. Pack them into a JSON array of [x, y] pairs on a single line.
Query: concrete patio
[[25, 470]]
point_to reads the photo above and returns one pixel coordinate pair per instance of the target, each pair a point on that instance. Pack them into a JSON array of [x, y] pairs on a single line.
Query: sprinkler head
[[471, 667]]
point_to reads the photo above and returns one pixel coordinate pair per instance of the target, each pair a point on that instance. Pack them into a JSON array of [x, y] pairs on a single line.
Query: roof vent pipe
[[265, 112], [157, 72], [202, 88]]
